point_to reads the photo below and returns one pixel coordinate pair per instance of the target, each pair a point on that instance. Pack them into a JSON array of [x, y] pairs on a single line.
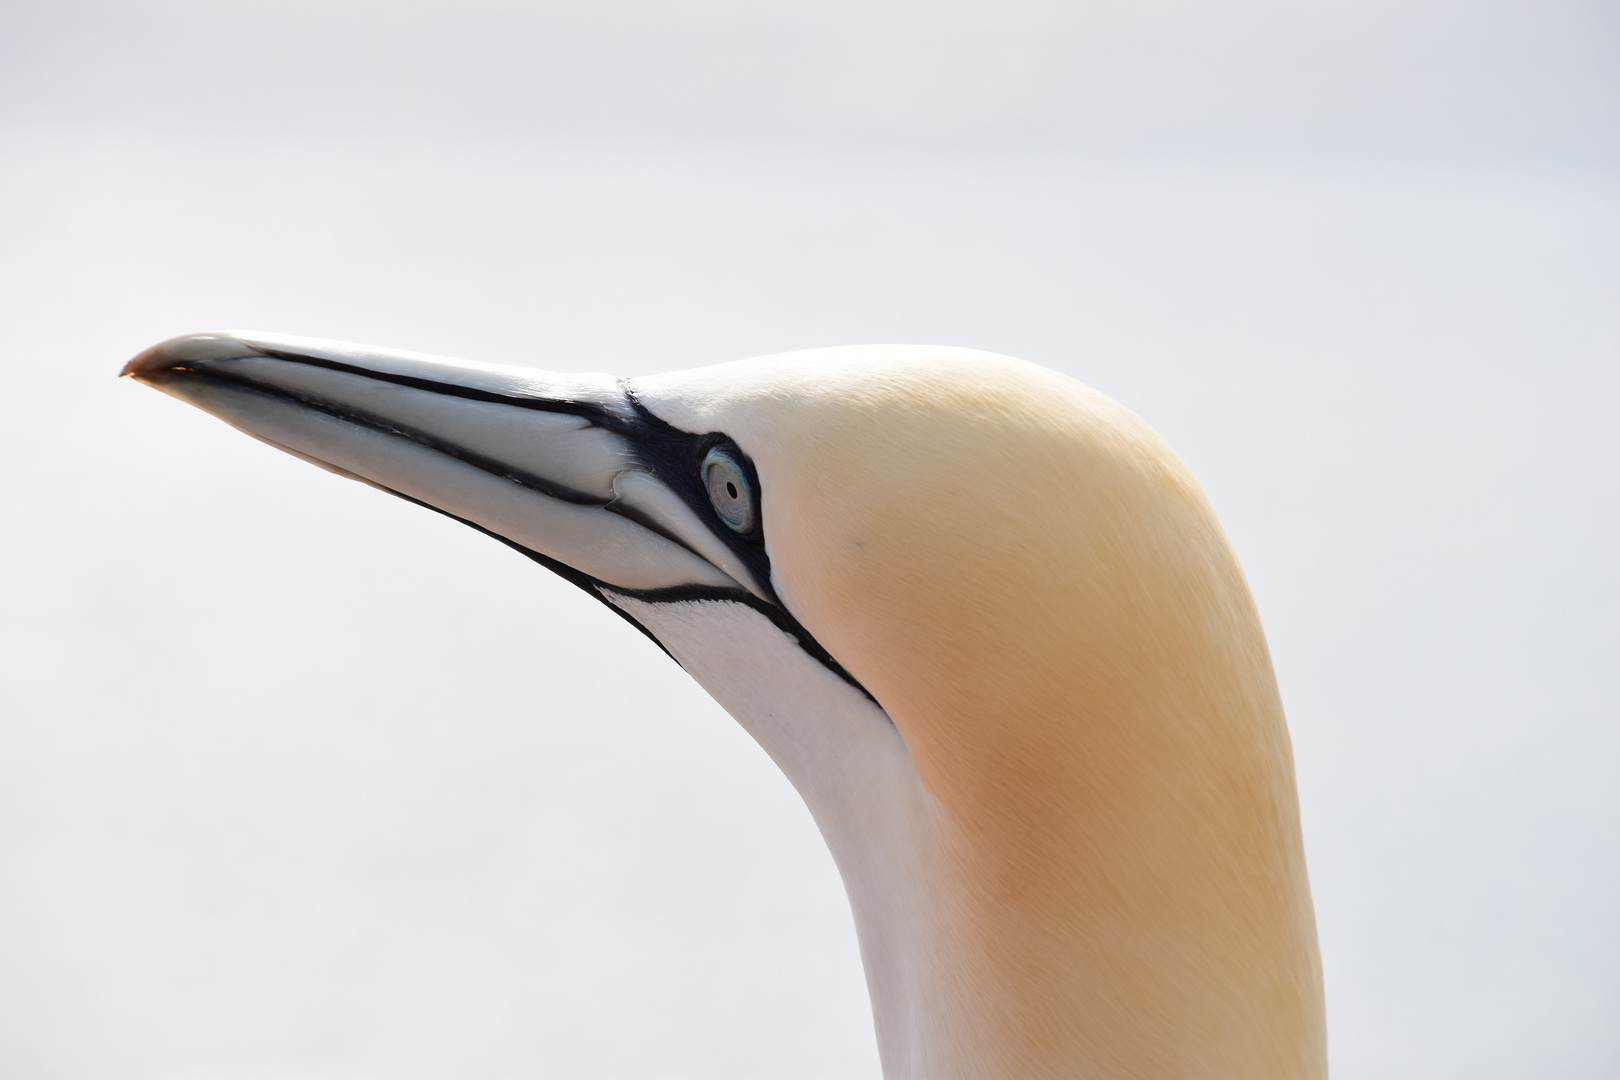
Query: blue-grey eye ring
[[729, 491]]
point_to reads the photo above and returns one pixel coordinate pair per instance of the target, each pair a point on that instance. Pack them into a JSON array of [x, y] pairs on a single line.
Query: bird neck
[[1145, 914], [1160, 924], [1110, 878]]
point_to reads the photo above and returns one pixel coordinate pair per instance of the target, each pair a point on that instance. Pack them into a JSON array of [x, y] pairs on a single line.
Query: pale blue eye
[[728, 490]]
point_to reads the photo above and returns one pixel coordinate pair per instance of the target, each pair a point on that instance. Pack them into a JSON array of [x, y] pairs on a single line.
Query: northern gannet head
[[980, 615]]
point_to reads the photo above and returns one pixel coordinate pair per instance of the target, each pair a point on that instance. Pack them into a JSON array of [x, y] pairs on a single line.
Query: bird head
[[982, 617]]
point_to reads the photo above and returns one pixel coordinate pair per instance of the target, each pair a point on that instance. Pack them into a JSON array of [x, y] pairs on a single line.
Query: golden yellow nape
[[980, 616], [1035, 589]]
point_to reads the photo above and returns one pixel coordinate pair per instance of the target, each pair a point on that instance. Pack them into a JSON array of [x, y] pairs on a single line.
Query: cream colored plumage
[[987, 625]]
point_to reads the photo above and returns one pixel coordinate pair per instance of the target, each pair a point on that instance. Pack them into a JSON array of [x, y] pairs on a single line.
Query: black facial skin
[[674, 456]]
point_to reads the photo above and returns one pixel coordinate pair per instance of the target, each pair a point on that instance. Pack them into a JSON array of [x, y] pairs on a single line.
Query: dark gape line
[[675, 594], [672, 455]]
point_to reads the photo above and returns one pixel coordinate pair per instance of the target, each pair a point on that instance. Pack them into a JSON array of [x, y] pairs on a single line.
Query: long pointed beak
[[549, 462]]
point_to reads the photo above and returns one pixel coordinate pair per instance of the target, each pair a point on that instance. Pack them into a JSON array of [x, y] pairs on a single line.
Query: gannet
[[981, 616]]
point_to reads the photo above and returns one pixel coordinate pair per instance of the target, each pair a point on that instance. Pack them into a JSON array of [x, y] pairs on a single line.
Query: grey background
[[296, 779]]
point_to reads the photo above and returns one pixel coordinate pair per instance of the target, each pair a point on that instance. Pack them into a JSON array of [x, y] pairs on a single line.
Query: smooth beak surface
[[561, 465]]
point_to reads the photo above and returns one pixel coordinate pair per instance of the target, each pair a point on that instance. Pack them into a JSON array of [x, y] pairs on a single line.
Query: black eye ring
[[729, 491]]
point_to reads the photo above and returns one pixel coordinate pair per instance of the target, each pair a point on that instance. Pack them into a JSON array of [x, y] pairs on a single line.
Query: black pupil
[[731, 489]]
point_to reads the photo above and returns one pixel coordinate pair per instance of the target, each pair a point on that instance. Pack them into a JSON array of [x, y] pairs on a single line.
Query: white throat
[[848, 762]]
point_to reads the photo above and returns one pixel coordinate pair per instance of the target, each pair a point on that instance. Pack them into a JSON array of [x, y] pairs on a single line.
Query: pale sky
[[296, 779]]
